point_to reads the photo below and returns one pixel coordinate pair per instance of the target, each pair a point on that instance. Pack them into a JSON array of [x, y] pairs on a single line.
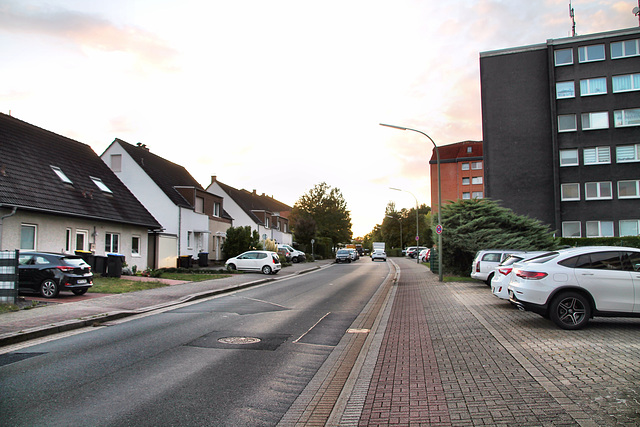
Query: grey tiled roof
[[249, 202], [28, 182]]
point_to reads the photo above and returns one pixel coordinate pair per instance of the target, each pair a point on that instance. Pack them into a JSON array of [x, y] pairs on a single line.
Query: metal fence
[[8, 277]]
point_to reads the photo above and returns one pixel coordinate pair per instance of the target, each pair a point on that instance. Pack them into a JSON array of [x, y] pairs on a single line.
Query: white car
[[570, 286], [378, 254], [424, 255], [265, 261], [502, 273], [486, 261]]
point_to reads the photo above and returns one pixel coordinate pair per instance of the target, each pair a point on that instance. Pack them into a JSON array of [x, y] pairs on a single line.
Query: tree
[[239, 240], [405, 220], [328, 209], [473, 225]]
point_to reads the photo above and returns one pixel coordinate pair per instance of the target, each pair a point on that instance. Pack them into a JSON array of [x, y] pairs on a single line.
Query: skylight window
[[61, 175], [101, 185]]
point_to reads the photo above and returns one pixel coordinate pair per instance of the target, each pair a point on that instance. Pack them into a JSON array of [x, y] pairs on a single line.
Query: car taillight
[[530, 275], [505, 270], [64, 268], [478, 267]]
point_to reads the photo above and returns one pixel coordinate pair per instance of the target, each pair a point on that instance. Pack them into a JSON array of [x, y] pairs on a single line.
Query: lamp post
[[417, 229], [435, 147], [400, 221]]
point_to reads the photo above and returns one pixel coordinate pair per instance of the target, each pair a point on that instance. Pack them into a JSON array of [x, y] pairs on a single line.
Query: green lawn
[[114, 285]]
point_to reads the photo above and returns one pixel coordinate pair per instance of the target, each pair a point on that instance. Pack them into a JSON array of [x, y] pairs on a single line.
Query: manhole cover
[[239, 340]]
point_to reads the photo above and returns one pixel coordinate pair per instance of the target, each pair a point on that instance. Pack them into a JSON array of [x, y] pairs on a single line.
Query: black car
[[49, 273]]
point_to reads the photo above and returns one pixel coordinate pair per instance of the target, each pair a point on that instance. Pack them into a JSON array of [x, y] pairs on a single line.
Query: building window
[[597, 191], [570, 192], [628, 189], [135, 245], [599, 228], [569, 157], [597, 155], [591, 53], [216, 209], [266, 222], [626, 83], [116, 162], [465, 166], [565, 90], [628, 153], [571, 229], [476, 166], [597, 86], [111, 243], [28, 237], [199, 205], [477, 195], [465, 181], [567, 123], [69, 241], [101, 185], [476, 180], [64, 178], [563, 57], [82, 237], [630, 117], [629, 227], [625, 49], [591, 121], [466, 196]]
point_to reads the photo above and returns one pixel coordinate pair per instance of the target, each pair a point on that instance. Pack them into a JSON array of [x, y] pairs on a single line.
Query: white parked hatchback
[[571, 286], [265, 261], [502, 273]]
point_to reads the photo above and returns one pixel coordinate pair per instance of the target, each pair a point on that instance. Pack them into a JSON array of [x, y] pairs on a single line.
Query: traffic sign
[[439, 229]]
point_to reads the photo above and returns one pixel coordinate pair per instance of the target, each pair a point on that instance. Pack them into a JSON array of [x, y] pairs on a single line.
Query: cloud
[[88, 31]]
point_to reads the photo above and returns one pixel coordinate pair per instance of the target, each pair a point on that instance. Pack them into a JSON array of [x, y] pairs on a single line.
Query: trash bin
[[114, 265], [184, 261], [100, 265], [87, 256], [203, 259]]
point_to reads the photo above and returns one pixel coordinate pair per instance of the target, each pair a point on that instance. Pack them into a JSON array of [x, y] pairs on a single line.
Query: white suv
[[486, 261], [572, 285]]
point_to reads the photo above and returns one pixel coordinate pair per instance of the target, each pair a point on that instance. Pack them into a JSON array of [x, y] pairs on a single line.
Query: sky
[[275, 96]]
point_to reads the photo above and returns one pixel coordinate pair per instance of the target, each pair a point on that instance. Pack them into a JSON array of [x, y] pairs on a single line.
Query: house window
[[68, 241], [64, 178], [628, 153], [466, 196], [28, 237], [216, 209], [597, 86], [567, 123], [465, 166], [626, 83], [625, 49], [476, 180], [82, 237], [591, 53], [101, 185], [469, 149], [563, 57], [112, 243], [266, 222], [599, 228], [570, 192], [591, 121], [630, 117], [597, 155], [571, 229], [477, 195], [597, 190], [629, 189], [476, 165], [199, 205], [135, 245], [565, 90], [629, 227], [569, 157], [465, 181], [116, 162], [189, 239]]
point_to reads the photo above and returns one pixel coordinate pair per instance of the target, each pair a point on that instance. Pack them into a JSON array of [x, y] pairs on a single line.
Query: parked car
[[571, 286], [378, 254], [343, 255], [284, 253], [414, 251], [502, 273], [296, 255], [50, 273], [485, 262], [354, 254], [424, 255], [265, 261]]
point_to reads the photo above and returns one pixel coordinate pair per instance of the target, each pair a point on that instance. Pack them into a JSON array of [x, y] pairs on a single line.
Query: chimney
[[254, 192], [213, 178]]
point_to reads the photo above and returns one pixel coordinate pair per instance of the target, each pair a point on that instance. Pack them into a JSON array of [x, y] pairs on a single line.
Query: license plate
[[81, 281]]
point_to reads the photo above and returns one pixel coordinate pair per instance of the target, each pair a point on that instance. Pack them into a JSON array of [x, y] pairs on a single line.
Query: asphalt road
[[238, 359]]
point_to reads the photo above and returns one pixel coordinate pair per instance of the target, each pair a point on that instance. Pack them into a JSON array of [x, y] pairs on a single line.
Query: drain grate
[[239, 340]]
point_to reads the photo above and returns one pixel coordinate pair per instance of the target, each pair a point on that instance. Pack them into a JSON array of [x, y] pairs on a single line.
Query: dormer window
[[101, 185], [64, 178]]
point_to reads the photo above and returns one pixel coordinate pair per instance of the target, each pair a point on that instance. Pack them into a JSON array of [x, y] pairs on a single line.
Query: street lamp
[[417, 230], [435, 147], [399, 220]]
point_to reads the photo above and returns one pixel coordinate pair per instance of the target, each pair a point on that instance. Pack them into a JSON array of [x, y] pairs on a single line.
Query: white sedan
[[378, 254], [265, 261]]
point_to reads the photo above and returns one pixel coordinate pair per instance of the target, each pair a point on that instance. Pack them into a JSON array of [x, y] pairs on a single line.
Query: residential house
[[185, 211], [264, 214], [561, 132], [56, 195]]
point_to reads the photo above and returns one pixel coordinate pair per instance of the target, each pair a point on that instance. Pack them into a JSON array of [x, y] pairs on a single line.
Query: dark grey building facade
[[561, 132]]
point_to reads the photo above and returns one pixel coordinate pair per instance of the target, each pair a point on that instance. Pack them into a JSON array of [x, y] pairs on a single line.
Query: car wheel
[[295, 259], [49, 288], [570, 310], [349, 260], [488, 281], [231, 267], [79, 291], [266, 269]]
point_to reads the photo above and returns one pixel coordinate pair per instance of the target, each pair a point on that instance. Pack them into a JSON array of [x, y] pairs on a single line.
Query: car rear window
[[75, 262], [540, 259]]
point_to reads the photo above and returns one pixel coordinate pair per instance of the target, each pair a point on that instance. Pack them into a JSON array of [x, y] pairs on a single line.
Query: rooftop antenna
[[573, 19], [636, 11]]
